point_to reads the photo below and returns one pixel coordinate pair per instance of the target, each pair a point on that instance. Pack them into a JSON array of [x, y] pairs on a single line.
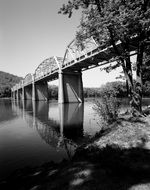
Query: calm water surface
[[32, 133]]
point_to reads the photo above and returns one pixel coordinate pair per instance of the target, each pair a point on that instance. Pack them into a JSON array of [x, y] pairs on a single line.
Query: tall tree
[[113, 22]]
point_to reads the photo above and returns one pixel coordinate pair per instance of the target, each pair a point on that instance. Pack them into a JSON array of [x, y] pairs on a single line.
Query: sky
[[32, 31]]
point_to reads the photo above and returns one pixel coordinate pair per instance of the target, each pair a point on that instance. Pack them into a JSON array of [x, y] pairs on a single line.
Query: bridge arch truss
[[47, 67]]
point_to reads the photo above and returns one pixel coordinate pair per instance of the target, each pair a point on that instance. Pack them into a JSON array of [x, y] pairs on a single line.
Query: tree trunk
[[128, 75], [135, 95], [138, 88]]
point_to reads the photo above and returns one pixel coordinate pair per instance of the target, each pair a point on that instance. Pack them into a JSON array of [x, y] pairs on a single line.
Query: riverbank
[[117, 159]]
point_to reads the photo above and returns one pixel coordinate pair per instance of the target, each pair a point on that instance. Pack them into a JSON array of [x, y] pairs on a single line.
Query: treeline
[[53, 92], [88, 92], [7, 81], [118, 86]]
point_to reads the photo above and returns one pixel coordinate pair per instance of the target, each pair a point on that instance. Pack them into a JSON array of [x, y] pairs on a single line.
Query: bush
[[108, 107], [53, 92]]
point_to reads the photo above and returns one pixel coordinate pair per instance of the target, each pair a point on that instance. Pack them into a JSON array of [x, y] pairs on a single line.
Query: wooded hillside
[[7, 81]]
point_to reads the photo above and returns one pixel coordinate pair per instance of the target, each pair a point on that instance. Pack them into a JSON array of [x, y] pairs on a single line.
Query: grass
[[127, 132]]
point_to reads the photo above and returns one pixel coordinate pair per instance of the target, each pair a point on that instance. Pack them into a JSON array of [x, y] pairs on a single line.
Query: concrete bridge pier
[[20, 94], [33, 91], [28, 92], [70, 87], [40, 91], [23, 93], [13, 95], [17, 94]]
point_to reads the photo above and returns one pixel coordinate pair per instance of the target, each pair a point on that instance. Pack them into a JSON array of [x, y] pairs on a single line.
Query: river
[[33, 133]]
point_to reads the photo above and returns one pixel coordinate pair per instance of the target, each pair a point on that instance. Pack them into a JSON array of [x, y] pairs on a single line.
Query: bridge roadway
[[67, 69]]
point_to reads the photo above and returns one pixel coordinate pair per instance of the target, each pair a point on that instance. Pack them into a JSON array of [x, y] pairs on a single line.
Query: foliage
[[107, 108], [7, 81], [146, 89], [117, 21], [146, 67], [118, 87], [53, 92], [91, 92]]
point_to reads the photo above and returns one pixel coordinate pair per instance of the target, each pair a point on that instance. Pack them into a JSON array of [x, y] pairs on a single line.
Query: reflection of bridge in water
[[60, 126]]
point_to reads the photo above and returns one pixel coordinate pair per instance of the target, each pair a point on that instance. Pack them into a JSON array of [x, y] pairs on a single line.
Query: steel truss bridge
[[67, 69]]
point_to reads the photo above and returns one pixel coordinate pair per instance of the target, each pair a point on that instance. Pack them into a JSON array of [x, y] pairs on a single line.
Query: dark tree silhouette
[[117, 21]]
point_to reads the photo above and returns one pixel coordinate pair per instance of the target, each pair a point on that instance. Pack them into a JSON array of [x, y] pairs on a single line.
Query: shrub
[[107, 107]]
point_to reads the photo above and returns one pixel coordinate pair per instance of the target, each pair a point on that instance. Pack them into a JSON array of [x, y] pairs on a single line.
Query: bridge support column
[[40, 91], [23, 93], [13, 95], [20, 94], [33, 91], [70, 87], [28, 92], [17, 95]]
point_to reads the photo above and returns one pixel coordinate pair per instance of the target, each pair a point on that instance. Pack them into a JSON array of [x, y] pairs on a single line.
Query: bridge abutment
[[70, 87]]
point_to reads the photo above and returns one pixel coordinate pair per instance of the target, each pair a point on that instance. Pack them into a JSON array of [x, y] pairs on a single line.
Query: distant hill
[[7, 81]]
